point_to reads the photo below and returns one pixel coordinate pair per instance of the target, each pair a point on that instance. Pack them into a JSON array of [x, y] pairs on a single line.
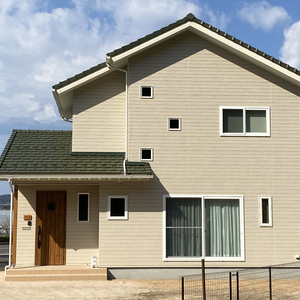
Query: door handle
[[39, 236]]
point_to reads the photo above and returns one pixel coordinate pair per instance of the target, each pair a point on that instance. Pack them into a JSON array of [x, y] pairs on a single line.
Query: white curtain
[[222, 228]]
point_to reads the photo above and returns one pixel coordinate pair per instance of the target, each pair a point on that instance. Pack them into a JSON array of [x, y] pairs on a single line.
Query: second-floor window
[[244, 121], [174, 124], [147, 92]]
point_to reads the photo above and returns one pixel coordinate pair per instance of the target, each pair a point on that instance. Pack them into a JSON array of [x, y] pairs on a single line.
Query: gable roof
[[118, 58], [46, 153]]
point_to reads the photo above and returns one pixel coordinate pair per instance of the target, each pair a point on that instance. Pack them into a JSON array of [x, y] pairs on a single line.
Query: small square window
[[265, 206], [174, 124], [147, 92], [118, 207], [245, 121], [83, 207], [146, 154]]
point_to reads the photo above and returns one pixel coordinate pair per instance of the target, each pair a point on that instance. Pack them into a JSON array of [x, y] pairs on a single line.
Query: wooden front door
[[50, 228]]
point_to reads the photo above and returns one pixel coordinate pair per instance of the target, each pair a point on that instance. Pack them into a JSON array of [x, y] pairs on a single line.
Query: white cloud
[[3, 140], [47, 116], [44, 46], [263, 15], [290, 51], [217, 20], [20, 105]]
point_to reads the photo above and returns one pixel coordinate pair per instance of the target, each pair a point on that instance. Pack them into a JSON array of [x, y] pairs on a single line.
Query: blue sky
[[43, 42]]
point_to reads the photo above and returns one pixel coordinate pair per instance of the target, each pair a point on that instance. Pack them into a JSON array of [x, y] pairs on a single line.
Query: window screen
[[232, 120]]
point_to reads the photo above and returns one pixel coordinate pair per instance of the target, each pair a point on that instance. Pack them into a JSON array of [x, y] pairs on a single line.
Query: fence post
[[203, 279], [270, 282], [182, 288], [230, 286], [237, 286]]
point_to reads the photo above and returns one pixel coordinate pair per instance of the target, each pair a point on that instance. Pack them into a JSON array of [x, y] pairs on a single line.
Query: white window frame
[[88, 220], [270, 224], [125, 217], [244, 133], [152, 154], [203, 198], [146, 97], [174, 129]]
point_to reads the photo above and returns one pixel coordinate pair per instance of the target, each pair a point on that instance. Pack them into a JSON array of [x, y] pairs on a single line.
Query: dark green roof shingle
[[189, 18], [48, 152]]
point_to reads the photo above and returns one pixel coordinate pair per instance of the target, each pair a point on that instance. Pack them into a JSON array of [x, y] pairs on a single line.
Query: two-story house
[[184, 145]]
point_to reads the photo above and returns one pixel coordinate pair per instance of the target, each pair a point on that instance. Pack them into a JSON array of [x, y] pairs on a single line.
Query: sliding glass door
[[203, 226]]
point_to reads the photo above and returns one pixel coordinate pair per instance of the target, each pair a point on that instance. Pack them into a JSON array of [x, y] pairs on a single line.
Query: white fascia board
[[82, 81], [148, 44], [218, 40], [74, 177], [245, 53], [64, 95], [64, 104]]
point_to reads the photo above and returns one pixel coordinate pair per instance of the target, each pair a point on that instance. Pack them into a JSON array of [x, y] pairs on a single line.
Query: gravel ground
[[111, 289]]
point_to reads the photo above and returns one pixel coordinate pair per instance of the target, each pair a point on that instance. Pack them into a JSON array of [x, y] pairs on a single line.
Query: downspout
[[10, 225], [126, 86]]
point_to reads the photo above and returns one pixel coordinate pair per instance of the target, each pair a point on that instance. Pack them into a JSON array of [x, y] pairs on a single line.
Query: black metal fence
[[273, 282]]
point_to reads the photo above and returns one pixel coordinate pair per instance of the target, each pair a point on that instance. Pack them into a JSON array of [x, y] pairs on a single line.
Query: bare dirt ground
[[111, 289]]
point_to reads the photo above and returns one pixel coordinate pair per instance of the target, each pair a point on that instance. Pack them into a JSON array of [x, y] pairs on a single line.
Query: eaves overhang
[[248, 53], [239, 48], [64, 95], [46, 178], [119, 58]]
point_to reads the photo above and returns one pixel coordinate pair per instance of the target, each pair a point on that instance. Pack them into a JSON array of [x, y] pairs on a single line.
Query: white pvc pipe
[[10, 225], [126, 134]]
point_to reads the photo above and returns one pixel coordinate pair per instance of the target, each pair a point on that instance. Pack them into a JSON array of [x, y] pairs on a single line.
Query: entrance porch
[[55, 273]]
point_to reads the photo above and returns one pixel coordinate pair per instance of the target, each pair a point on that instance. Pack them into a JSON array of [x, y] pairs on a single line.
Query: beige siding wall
[[81, 238], [136, 242], [190, 83], [99, 115], [26, 234], [192, 79]]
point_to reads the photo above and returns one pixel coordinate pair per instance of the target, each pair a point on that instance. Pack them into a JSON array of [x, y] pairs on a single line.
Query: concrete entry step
[[53, 273]]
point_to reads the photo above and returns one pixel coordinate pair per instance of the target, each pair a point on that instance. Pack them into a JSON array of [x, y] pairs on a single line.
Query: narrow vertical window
[[83, 207], [265, 211], [118, 207], [147, 92]]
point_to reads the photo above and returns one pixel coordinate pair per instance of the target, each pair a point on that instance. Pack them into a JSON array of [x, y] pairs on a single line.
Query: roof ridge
[[188, 18], [7, 147]]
